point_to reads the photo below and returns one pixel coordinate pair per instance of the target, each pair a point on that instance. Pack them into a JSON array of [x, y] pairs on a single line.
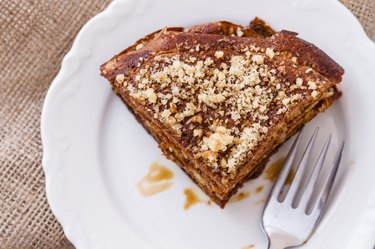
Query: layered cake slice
[[220, 98]]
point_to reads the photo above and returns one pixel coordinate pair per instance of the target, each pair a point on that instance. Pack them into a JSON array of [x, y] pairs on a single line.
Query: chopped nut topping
[[299, 81], [218, 141], [150, 94], [197, 132], [166, 113], [219, 54], [314, 94], [120, 78], [270, 53], [237, 65], [189, 110], [312, 85], [285, 101], [235, 116], [225, 106], [258, 59], [248, 140], [212, 99], [197, 119], [308, 70], [239, 32]]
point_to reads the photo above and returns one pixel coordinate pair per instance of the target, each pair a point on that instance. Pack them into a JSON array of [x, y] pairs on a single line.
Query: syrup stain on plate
[[272, 171], [191, 198], [259, 189], [240, 196], [259, 202], [248, 246], [157, 179]]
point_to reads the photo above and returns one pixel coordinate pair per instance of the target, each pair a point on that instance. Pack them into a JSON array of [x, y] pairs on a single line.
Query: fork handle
[[278, 239]]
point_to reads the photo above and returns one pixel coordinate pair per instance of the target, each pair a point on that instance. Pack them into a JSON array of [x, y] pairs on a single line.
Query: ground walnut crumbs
[[223, 103]]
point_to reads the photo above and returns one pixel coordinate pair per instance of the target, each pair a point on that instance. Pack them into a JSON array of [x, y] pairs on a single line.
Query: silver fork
[[287, 221]]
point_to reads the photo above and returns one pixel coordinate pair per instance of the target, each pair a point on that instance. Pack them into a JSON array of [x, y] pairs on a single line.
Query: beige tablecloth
[[34, 37]]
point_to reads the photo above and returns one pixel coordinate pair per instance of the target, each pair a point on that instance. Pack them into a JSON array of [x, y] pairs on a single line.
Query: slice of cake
[[220, 98]]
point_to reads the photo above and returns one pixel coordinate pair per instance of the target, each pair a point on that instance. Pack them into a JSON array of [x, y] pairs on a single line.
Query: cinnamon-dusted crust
[[221, 101]]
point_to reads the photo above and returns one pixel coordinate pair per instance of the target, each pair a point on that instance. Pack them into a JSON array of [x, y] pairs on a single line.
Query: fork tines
[[307, 193]]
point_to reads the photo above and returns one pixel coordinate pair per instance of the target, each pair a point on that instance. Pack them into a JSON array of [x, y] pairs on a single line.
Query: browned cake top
[[220, 101]]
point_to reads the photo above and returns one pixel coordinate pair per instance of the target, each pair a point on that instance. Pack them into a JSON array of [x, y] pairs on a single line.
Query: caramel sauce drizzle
[[248, 246], [272, 171], [240, 196], [157, 179], [259, 189], [191, 198]]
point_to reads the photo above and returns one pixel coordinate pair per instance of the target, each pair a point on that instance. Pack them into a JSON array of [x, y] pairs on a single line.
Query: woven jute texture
[[34, 37]]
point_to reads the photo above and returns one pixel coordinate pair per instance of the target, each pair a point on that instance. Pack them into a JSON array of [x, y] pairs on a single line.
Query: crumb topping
[[239, 32], [314, 94], [270, 53], [220, 105], [218, 140], [219, 54], [120, 78]]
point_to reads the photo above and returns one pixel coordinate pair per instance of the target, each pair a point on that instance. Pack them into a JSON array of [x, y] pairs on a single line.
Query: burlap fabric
[[34, 37]]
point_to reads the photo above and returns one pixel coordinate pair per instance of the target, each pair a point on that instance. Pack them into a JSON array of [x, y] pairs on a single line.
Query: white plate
[[95, 152]]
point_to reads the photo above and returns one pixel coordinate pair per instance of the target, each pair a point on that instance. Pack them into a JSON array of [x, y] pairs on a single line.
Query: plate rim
[[111, 12]]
